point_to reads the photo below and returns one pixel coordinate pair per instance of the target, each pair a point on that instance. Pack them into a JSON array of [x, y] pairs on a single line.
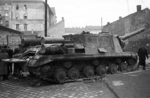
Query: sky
[[81, 13]]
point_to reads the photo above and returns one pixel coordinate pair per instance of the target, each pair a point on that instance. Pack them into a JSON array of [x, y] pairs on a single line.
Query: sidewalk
[[134, 84]]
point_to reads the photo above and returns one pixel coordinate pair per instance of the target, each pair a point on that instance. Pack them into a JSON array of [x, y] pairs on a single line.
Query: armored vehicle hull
[[82, 56]]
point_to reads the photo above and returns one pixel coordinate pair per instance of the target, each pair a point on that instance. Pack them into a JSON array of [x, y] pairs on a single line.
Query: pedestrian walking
[[142, 53], [3, 67]]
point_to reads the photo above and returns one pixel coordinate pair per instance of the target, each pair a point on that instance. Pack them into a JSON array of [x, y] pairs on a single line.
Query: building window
[[25, 17], [7, 23], [17, 26], [17, 7], [25, 27], [25, 7]]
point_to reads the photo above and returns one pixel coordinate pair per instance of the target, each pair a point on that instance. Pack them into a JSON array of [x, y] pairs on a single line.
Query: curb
[[116, 95]]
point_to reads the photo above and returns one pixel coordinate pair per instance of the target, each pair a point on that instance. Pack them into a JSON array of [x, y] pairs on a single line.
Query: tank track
[[75, 70]]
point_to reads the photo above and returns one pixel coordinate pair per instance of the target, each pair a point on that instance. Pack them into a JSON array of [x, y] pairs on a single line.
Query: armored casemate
[[82, 55]]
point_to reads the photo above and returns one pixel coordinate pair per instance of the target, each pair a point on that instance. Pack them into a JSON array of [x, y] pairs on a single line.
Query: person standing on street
[[142, 53], [3, 67]]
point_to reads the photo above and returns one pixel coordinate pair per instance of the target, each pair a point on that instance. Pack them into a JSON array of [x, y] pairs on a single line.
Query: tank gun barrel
[[48, 40], [126, 36]]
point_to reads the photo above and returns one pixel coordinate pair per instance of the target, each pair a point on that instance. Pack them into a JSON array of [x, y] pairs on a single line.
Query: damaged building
[[130, 23]]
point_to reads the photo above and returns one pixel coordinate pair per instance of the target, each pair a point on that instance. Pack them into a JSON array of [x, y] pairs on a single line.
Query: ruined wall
[[129, 24]]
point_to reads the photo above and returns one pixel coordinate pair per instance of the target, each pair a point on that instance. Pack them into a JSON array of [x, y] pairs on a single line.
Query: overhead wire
[[144, 3], [129, 16]]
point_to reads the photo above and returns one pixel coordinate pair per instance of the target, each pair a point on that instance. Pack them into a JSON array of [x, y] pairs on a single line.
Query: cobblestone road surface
[[20, 89]]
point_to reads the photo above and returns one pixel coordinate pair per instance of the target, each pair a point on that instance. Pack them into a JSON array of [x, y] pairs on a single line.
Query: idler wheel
[[101, 70], [123, 66], [88, 71], [60, 75], [73, 73], [112, 68]]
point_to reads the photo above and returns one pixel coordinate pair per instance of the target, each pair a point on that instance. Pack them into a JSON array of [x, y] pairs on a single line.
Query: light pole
[[45, 18]]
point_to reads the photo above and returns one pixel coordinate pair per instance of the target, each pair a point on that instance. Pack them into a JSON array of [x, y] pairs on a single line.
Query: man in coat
[[142, 53], [3, 67]]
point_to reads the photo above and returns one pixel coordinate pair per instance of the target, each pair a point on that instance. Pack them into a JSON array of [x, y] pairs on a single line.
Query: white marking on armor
[[117, 83]]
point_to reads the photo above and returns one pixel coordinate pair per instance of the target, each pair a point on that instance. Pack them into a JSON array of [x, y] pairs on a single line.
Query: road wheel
[[88, 71], [132, 63], [101, 70], [123, 66], [73, 73], [60, 75], [112, 68]]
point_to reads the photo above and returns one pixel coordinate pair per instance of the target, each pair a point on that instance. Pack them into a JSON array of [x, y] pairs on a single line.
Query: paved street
[[20, 89]]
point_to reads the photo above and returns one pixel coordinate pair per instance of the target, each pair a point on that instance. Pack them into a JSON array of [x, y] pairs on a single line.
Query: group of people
[[5, 53]]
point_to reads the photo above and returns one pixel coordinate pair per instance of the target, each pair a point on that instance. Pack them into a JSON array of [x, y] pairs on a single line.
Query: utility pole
[[101, 24], [45, 18]]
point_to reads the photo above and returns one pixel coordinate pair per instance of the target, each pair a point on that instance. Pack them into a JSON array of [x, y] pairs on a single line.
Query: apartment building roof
[[10, 30]]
